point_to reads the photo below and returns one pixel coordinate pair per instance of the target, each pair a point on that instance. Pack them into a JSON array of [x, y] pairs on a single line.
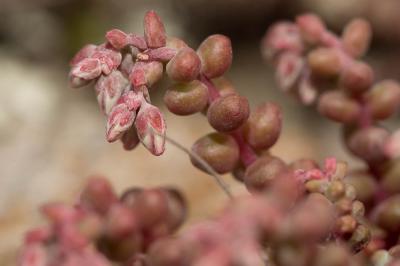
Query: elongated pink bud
[[132, 99], [117, 38], [154, 31], [311, 28], [163, 54], [109, 59], [109, 89], [146, 73], [289, 69], [83, 53], [151, 127], [137, 41], [119, 120], [87, 69]]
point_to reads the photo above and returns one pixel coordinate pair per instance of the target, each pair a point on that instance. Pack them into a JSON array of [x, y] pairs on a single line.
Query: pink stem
[[247, 154]]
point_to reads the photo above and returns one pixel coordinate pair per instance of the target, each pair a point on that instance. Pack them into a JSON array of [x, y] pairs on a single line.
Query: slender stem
[[204, 164]]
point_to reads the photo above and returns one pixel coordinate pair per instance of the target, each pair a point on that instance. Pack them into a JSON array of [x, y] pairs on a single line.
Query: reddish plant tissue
[[297, 213]]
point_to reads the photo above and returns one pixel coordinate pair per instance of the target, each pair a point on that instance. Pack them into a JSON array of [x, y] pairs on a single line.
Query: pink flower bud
[[120, 119], [33, 255], [98, 195], [154, 31], [109, 89], [325, 62], [383, 100], [184, 66], [146, 73], [307, 92], [336, 106], [150, 126], [392, 145], [283, 36], [75, 82], [137, 41], [117, 38], [60, 213], [120, 221], [311, 27], [86, 69], [357, 37], [175, 43], [85, 52], [163, 54], [108, 58], [288, 71]]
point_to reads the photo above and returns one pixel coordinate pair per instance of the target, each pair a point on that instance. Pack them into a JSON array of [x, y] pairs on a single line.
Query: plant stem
[[204, 164]]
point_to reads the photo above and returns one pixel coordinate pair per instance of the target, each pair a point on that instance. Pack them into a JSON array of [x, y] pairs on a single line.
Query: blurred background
[[52, 137]]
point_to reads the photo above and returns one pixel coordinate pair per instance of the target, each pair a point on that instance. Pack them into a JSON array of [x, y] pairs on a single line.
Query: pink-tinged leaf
[[88, 69], [119, 121], [117, 38], [283, 36], [109, 89], [38, 235], [307, 92], [330, 166], [33, 255], [154, 31], [163, 54], [127, 65], [132, 99], [130, 139], [109, 59], [83, 53], [60, 213], [151, 128], [392, 145], [137, 41], [289, 69]]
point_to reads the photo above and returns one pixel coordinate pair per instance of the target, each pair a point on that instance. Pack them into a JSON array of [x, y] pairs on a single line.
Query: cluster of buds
[[297, 214], [322, 68], [102, 229]]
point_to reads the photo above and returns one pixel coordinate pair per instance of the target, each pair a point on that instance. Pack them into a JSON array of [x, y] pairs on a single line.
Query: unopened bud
[[383, 99], [154, 31], [263, 127], [87, 69], [215, 53], [120, 222], [311, 27], [83, 53], [228, 113], [186, 98], [288, 71], [391, 177], [151, 128], [392, 145], [175, 43], [386, 214], [356, 37], [357, 78], [325, 62], [336, 106], [117, 38], [364, 184], [130, 139], [219, 150], [146, 73], [120, 119], [184, 66]]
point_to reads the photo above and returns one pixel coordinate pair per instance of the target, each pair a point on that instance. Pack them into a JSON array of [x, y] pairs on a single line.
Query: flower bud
[[360, 238], [109, 59], [83, 53], [383, 99], [391, 177], [356, 37], [338, 107], [184, 66], [228, 113], [186, 98], [33, 255], [177, 209], [120, 250], [146, 73], [151, 127], [311, 28], [137, 41], [215, 54], [224, 86], [219, 150], [263, 127], [109, 89], [367, 143], [392, 145], [167, 252], [345, 225], [288, 70], [117, 38], [98, 195], [260, 174], [130, 139], [364, 184], [307, 91], [335, 190], [357, 78], [325, 62], [386, 214], [175, 43], [154, 31], [281, 37], [120, 222], [87, 69], [120, 119]]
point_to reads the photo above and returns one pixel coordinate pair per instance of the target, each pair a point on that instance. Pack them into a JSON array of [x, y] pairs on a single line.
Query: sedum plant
[[297, 213]]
